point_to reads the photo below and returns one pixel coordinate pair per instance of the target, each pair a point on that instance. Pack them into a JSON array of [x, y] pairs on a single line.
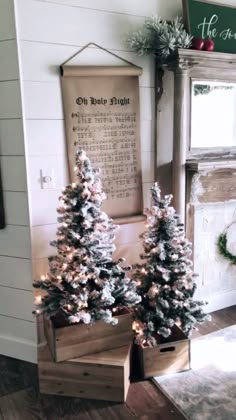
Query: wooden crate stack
[[87, 361]]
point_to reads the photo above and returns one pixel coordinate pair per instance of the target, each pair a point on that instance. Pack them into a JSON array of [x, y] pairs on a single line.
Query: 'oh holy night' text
[[102, 101]]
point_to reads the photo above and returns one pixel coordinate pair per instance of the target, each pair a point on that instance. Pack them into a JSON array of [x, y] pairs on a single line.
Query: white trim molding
[[18, 348]]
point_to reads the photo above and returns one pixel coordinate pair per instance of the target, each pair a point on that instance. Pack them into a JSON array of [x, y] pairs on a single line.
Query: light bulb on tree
[[38, 300], [137, 327]]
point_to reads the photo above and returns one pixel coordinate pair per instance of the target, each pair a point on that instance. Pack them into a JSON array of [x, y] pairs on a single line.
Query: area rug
[[208, 391]]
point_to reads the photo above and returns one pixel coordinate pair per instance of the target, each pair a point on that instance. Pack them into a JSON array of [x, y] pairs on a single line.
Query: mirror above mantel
[[213, 115]]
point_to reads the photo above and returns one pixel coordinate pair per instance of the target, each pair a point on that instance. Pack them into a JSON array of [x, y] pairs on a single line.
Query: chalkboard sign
[[206, 19]]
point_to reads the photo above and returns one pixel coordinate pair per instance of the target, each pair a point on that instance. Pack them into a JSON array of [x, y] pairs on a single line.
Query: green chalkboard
[[205, 19]]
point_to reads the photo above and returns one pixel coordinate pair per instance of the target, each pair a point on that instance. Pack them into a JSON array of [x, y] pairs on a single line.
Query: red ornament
[[209, 45], [198, 43]]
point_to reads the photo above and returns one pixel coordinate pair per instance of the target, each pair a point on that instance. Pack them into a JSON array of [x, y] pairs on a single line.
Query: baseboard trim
[[217, 302], [18, 349]]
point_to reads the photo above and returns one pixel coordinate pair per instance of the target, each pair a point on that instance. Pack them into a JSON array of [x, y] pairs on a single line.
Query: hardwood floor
[[20, 399]]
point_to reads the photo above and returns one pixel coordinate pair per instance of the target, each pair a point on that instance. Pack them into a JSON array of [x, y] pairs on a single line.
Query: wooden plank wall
[[50, 32], [17, 327]]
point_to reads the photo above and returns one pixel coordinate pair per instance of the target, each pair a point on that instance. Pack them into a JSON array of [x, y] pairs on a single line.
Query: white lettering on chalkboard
[[209, 29]]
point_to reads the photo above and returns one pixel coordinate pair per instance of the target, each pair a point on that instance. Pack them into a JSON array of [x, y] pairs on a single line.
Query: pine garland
[[222, 245], [160, 38]]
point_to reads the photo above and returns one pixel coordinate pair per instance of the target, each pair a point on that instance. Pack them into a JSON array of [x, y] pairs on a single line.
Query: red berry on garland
[[198, 43], [209, 45]]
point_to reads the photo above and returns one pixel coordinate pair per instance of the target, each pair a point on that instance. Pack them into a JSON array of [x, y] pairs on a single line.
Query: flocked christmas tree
[[83, 283], [165, 280]]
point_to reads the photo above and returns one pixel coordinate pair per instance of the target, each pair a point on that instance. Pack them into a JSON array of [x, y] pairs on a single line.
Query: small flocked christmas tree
[[83, 283], [166, 280]]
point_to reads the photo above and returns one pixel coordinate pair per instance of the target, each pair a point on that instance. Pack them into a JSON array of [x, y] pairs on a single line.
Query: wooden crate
[[101, 376], [171, 357], [80, 339]]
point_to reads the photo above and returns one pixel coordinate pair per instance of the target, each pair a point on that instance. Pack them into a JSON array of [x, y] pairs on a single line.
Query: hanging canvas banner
[[101, 109]]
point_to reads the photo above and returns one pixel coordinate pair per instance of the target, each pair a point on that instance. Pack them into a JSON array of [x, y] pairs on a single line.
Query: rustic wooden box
[[80, 339], [101, 376], [171, 357]]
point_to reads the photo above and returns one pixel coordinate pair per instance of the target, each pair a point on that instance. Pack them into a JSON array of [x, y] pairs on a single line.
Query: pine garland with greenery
[[160, 38], [165, 280], [84, 284]]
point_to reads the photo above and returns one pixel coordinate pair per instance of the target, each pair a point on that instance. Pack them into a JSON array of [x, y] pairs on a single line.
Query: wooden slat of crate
[[165, 358], [101, 376], [79, 339]]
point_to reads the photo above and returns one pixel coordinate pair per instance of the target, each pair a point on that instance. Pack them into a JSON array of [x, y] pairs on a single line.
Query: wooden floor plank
[[21, 405], [220, 319], [112, 411], [16, 375], [55, 407], [148, 403]]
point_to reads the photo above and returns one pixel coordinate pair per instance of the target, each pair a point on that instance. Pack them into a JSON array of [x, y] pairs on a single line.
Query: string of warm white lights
[[165, 280], [83, 283]]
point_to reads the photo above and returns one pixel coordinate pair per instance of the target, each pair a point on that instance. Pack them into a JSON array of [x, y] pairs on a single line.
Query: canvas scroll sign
[[101, 108]]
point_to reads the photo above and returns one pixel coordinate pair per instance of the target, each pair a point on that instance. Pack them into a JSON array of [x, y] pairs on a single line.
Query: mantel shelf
[[207, 59], [210, 164]]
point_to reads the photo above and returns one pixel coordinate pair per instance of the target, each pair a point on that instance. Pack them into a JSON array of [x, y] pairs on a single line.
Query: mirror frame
[[191, 65]]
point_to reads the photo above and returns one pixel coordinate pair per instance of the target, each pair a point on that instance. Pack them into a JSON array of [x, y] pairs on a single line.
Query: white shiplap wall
[[47, 33], [17, 327], [50, 32]]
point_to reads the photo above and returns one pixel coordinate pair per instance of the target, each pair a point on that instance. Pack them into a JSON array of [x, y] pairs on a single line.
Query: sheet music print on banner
[[101, 107]]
